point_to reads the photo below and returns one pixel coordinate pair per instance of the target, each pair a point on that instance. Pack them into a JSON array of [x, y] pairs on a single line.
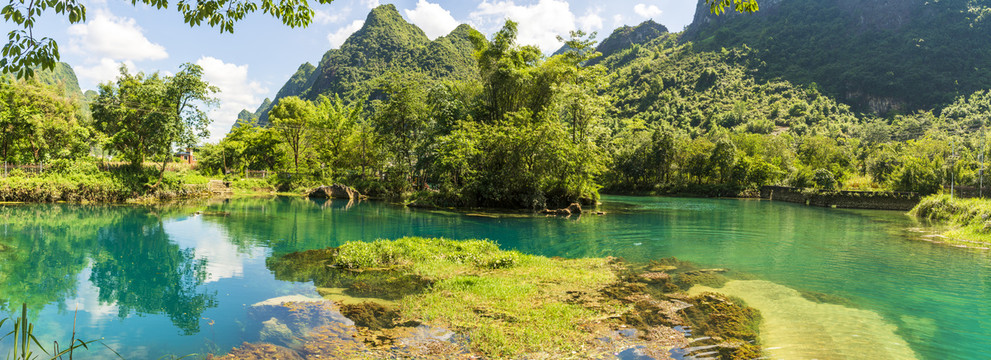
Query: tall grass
[[27, 347], [967, 219]]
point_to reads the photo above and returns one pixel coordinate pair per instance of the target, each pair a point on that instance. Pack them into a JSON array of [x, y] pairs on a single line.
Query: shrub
[[824, 180]]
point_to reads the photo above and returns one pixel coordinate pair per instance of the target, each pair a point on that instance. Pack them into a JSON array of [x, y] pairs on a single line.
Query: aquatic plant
[[26, 346]]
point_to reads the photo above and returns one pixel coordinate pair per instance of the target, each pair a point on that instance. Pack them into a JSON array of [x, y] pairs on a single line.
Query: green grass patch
[[967, 222], [506, 304], [518, 309]]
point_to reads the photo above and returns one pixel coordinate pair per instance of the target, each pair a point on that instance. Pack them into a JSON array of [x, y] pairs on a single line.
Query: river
[[153, 282]]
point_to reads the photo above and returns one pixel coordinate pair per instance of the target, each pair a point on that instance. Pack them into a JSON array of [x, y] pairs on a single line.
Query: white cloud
[[223, 259], [102, 70], [324, 18], [236, 92], [117, 38], [539, 24], [371, 4], [591, 21], [432, 18], [617, 20], [87, 299], [647, 11], [338, 37]]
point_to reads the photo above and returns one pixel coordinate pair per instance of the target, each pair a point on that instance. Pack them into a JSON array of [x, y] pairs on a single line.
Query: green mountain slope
[[666, 83], [624, 37], [61, 76], [878, 56], [385, 43]]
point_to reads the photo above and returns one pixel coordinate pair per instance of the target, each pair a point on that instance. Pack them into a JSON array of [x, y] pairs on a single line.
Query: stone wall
[[877, 200]]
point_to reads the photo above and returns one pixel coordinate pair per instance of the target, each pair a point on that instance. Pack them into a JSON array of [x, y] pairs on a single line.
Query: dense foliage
[[475, 122], [654, 115], [897, 56]]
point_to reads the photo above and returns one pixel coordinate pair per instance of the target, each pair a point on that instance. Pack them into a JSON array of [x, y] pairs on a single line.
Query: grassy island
[[483, 301]]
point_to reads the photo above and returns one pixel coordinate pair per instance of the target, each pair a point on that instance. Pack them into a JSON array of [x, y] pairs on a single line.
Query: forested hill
[[62, 76], [386, 43], [878, 56]]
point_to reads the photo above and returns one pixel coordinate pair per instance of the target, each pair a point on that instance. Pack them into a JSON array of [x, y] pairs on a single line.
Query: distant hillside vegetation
[[878, 56], [62, 76]]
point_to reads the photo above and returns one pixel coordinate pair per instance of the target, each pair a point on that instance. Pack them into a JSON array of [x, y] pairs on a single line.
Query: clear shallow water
[[166, 281]]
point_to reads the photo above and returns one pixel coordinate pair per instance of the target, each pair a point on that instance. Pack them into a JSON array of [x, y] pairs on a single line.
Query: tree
[[150, 115], [512, 79], [581, 86], [38, 123], [401, 121], [25, 50], [334, 134], [246, 147], [292, 117]]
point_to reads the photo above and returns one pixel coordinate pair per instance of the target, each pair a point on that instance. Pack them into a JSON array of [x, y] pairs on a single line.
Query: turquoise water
[[153, 282]]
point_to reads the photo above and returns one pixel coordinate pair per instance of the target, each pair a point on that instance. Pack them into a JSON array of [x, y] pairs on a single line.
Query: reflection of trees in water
[[143, 271], [43, 248], [290, 224]]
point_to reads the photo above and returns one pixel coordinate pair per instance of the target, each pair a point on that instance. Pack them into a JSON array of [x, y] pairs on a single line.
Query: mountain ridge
[[386, 42]]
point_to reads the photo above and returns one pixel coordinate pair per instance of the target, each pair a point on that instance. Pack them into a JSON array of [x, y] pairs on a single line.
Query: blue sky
[[259, 57]]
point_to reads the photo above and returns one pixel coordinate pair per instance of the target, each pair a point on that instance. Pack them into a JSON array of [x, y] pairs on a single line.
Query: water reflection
[[138, 267], [163, 280]]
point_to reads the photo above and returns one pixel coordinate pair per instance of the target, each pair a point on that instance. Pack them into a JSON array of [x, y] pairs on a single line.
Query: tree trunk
[[161, 174]]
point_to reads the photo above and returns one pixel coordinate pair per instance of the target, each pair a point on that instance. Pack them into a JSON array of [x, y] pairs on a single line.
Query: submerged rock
[[373, 316], [249, 351], [288, 320], [796, 328], [275, 332]]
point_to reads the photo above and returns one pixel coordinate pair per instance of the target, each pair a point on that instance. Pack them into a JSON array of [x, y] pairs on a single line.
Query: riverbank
[[462, 299], [964, 222], [86, 182]]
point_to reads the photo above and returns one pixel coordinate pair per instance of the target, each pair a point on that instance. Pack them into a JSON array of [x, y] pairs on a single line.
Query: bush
[[824, 180], [83, 181], [918, 175]]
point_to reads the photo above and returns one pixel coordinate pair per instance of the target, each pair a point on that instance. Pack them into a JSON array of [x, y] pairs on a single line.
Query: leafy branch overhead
[[25, 50]]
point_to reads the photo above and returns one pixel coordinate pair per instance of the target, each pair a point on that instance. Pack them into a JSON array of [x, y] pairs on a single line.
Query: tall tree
[[150, 115], [335, 131], [38, 123], [402, 123], [292, 117]]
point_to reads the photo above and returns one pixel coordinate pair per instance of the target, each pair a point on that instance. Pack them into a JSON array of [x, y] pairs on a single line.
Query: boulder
[[574, 208], [336, 191]]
